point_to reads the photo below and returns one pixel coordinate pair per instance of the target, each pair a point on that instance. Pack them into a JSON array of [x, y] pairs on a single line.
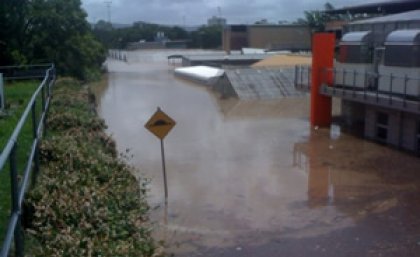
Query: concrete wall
[[233, 39], [353, 115], [394, 125], [224, 87], [409, 133], [275, 37]]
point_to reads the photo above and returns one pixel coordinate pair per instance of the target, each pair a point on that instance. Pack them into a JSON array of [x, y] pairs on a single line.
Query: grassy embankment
[[17, 96]]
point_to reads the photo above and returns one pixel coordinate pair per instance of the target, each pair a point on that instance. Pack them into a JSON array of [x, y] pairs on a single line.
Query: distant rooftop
[[385, 7]]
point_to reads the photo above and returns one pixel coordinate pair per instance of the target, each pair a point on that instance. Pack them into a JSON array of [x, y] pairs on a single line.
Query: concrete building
[[377, 78], [216, 21], [270, 37]]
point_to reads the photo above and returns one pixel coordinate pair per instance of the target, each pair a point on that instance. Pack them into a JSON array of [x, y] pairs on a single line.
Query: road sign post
[[160, 124]]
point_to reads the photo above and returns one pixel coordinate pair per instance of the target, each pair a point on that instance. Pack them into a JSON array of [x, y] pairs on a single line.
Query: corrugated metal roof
[[405, 16], [263, 83]]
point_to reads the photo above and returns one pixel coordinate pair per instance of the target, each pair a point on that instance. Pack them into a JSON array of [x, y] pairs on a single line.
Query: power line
[[108, 5]]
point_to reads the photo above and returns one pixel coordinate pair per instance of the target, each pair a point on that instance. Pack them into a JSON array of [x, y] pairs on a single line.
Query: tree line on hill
[[203, 37]]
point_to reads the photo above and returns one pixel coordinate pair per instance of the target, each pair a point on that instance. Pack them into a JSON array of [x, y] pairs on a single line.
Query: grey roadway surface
[[249, 178]]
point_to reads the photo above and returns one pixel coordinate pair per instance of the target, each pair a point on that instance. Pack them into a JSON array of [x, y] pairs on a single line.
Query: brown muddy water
[[250, 178]]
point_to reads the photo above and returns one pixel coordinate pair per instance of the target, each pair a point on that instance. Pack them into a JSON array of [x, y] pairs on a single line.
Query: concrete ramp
[[248, 83]]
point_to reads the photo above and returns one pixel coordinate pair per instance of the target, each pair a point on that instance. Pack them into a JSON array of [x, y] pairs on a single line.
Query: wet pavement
[[250, 178]]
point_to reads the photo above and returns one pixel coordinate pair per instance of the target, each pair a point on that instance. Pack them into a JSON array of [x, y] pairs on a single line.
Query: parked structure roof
[[263, 83]]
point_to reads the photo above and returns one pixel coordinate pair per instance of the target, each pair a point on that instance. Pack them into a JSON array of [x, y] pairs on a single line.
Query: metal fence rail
[[22, 72], [390, 90], [9, 155]]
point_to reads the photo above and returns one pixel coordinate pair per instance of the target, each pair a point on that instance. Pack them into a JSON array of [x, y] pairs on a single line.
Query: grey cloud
[[197, 12]]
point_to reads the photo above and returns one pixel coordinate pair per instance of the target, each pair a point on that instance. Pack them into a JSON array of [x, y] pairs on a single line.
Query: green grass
[[17, 96]]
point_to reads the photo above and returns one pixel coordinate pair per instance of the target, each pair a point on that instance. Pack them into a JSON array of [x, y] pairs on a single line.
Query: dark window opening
[[355, 54], [382, 121], [239, 28], [381, 133], [382, 118], [402, 55]]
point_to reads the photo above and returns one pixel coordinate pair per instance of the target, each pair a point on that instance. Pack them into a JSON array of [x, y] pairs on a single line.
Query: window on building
[[355, 54], [402, 55], [382, 122]]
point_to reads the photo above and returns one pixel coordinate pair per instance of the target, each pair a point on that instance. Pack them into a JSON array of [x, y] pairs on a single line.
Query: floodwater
[[250, 178]]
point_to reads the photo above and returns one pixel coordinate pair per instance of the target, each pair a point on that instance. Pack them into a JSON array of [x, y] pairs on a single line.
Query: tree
[[207, 37], [13, 23], [59, 33], [53, 31], [316, 20]]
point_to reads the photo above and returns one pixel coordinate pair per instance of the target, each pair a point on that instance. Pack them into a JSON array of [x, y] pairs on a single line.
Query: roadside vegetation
[[86, 201]]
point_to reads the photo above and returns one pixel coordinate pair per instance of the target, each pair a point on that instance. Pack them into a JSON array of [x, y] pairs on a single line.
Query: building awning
[[403, 37], [356, 38]]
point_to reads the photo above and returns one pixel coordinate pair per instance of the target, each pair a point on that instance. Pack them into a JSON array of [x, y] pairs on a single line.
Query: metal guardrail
[[402, 92], [303, 77], [9, 154], [23, 72]]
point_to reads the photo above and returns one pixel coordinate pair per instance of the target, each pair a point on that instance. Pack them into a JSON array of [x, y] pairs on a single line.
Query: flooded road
[[250, 178]]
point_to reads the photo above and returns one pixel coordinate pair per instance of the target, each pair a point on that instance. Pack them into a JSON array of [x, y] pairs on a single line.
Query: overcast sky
[[196, 12]]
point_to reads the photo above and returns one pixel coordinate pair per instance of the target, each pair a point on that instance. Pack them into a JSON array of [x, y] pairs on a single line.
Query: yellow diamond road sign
[[160, 124]]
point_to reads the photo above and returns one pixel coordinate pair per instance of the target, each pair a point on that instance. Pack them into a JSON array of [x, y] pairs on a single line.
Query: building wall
[[216, 21], [235, 37], [353, 115], [393, 130], [275, 37], [409, 125]]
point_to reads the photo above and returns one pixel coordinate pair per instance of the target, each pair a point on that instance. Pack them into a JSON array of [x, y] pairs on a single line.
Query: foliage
[[49, 31], [207, 37], [13, 21], [316, 20], [86, 201]]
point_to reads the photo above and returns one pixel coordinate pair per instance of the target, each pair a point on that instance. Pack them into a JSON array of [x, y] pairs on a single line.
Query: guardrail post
[[2, 104], [18, 236]]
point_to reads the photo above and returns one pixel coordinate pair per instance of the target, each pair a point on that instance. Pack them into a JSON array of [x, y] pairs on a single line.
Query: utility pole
[[108, 5]]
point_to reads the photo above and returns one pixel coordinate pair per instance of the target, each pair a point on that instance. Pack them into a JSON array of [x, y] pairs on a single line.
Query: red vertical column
[[322, 58]]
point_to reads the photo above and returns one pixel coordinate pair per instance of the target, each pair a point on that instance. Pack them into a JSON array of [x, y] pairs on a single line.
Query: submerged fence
[[19, 185]]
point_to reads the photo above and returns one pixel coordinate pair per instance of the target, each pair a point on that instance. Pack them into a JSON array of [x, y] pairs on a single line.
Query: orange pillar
[[322, 58]]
